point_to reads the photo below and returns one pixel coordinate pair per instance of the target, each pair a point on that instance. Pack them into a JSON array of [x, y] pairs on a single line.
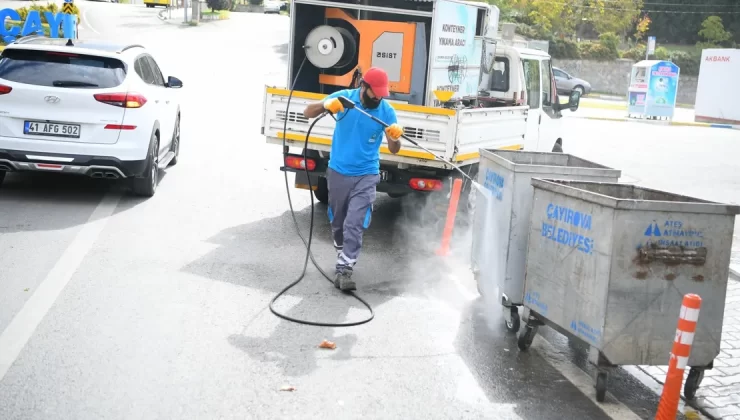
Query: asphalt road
[[116, 307]]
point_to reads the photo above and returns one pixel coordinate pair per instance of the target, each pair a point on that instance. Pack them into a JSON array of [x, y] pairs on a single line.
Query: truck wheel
[[322, 191], [2, 177]]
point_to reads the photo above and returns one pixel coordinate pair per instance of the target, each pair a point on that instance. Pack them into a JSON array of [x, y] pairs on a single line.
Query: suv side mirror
[[174, 82]]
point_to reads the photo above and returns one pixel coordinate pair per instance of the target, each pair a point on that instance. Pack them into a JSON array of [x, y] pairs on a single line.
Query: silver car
[[566, 83], [273, 6]]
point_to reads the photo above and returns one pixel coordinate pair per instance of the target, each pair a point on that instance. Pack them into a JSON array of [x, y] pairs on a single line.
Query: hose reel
[[330, 47]]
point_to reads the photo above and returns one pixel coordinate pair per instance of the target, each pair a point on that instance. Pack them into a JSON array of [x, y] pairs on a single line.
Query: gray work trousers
[[351, 201]]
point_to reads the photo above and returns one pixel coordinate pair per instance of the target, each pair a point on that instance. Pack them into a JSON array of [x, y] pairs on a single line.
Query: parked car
[[273, 6], [566, 83], [87, 108]]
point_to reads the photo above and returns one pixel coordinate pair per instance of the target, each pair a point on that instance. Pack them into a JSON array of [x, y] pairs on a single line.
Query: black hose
[[309, 254]]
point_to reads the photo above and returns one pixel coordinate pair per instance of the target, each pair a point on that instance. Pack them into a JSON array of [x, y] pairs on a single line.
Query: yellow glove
[[333, 105], [394, 131]]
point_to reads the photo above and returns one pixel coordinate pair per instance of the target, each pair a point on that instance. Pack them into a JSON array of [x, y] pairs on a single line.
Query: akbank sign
[[33, 26]]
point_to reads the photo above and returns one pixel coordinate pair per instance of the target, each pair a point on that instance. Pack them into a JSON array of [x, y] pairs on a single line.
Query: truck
[[455, 85]]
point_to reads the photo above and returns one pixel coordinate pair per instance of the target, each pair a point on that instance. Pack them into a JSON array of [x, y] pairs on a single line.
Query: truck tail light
[[124, 100], [425, 184], [4, 90], [298, 162]]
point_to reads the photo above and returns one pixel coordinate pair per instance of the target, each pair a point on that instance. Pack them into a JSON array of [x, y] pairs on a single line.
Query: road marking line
[[25, 322], [582, 381], [87, 22]]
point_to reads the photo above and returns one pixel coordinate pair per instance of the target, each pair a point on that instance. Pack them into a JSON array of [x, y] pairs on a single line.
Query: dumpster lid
[[632, 197], [550, 163]]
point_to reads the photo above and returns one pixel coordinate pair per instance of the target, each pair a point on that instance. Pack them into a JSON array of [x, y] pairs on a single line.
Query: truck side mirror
[[574, 100]]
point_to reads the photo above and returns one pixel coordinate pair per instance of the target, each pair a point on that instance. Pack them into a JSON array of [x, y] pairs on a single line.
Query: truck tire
[[2, 177], [322, 191]]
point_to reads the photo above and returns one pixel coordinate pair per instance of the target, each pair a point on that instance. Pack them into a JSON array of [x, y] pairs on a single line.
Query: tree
[[679, 21], [548, 16], [616, 16], [643, 25], [713, 31]]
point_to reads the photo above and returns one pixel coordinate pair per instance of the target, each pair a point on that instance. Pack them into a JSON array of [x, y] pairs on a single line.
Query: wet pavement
[[719, 393], [117, 307]]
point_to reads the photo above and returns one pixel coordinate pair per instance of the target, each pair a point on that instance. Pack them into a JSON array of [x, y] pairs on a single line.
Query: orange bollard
[[668, 405], [444, 249]]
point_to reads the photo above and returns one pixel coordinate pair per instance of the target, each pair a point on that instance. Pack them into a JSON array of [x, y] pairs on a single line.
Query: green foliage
[[593, 51], [565, 49], [528, 31], [41, 8], [610, 42], [688, 62], [713, 31], [683, 28], [217, 5], [661, 53], [635, 53]]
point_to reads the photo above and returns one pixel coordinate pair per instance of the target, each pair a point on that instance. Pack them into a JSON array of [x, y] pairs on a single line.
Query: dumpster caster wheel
[[601, 386], [513, 323], [692, 383], [526, 337]]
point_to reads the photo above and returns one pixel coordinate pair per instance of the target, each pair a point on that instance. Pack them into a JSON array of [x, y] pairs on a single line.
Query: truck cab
[[523, 76]]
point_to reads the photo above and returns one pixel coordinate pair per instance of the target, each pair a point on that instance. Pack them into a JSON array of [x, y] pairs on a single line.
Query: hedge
[[566, 49]]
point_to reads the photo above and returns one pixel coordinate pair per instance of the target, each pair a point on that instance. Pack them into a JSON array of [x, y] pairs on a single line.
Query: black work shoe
[[337, 280], [345, 281]]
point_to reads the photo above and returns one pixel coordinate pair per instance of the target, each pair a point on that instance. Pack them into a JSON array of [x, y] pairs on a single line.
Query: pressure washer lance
[[348, 104]]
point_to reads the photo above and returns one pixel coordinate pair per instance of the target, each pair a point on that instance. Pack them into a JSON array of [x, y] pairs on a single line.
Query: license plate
[[39, 128], [383, 176]]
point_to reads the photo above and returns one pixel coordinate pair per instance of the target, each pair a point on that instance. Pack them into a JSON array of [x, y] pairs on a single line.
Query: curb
[[735, 273], [673, 123], [616, 102]]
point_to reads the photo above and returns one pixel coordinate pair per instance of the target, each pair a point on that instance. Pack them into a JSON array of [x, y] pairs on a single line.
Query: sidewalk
[[609, 110], [719, 393]]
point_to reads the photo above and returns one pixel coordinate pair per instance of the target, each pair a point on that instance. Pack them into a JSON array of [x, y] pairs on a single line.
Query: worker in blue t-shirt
[[354, 164]]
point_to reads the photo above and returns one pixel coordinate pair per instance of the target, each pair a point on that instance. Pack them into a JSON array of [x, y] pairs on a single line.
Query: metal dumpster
[[501, 220], [609, 264]]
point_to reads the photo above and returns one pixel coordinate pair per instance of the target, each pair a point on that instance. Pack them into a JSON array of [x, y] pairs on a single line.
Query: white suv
[[87, 108]]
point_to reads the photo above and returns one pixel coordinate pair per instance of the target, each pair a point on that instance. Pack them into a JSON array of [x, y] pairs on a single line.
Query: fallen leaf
[[287, 388], [328, 345]]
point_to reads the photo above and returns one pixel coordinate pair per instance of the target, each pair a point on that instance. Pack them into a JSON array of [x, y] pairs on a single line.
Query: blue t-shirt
[[355, 146]]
